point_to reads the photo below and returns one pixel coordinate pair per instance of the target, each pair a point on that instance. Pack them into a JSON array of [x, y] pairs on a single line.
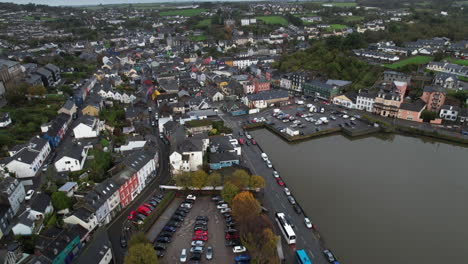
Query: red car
[[241, 141], [280, 181], [232, 236], [132, 214], [202, 238], [201, 233], [144, 210], [254, 142]]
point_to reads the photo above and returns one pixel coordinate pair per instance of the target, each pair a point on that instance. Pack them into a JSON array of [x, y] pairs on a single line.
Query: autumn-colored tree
[[37, 90], [138, 238], [142, 253], [245, 207], [199, 179], [240, 178], [229, 192], [256, 181], [183, 179], [214, 179]]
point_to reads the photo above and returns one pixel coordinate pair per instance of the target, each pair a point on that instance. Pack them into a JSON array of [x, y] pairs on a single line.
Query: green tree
[[427, 115], [199, 179], [214, 179], [229, 192], [60, 201], [138, 238], [142, 253], [256, 182], [183, 179], [240, 178]]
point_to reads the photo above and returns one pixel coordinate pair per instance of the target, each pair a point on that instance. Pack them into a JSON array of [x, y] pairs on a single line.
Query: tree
[[229, 192], [240, 178], [183, 179], [199, 179], [142, 253], [245, 207], [214, 179], [37, 90], [427, 115], [138, 238], [61, 201], [256, 182]]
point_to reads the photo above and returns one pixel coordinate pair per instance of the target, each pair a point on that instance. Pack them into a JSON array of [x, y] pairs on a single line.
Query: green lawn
[[412, 60], [183, 12], [203, 23], [336, 27], [353, 18], [278, 20], [458, 61]]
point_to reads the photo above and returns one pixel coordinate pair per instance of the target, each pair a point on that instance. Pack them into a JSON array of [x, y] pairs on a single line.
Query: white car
[[183, 255], [275, 174], [198, 243], [269, 165], [287, 192], [221, 206], [345, 116], [186, 205], [248, 136], [353, 118], [238, 249], [191, 197], [29, 195], [307, 223], [225, 210]]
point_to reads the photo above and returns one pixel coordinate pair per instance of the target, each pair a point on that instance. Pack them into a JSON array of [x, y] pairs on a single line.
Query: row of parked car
[[165, 236], [144, 210], [199, 239]]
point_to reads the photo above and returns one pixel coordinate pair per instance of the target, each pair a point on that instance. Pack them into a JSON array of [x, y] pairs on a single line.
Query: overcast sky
[[97, 2]]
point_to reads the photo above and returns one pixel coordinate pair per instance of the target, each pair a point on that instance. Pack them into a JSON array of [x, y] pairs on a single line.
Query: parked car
[[308, 223], [174, 223], [216, 198], [242, 258], [221, 206], [123, 241], [280, 182], [198, 243], [225, 210], [163, 240], [241, 141], [286, 191], [29, 195], [191, 197], [186, 205], [231, 236], [196, 256], [248, 135], [203, 238], [196, 249], [183, 255], [160, 253], [159, 246], [209, 253], [169, 228], [204, 218], [247, 143], [149, 206], [297, 209], [232, 243], [230, 230], [238, 249], [269, 164], [200, 227], [291, 200], [177, 218], [201, 222], [253, 142], [200, 233], [275, 174], [329, 255]]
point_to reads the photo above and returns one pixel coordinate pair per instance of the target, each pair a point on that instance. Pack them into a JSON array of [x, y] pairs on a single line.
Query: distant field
[[279, 20], [183, 12], [42, 18], [412, 60], [353, 18], [197, 38], [158, 6], [203, 23], [336, 27], [458, 61]]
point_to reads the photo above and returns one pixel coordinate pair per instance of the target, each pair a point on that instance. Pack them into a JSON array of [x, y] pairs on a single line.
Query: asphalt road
[[274, 199]]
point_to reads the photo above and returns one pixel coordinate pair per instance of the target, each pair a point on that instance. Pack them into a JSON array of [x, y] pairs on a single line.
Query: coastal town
[[126, 131]]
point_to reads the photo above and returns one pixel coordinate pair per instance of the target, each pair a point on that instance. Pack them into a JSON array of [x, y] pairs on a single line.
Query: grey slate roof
[[268, 95], [415, 106], [222, 156], [40, 202], [96, 248], [433, 89]]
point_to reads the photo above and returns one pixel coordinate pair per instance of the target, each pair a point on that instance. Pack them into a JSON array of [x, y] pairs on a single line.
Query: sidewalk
[[163, 219]]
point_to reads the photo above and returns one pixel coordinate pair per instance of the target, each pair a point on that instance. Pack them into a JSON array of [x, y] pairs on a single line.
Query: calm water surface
[[388, 201]]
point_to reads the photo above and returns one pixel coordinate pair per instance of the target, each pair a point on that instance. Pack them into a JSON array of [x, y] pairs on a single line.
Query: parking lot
[[182, 238]]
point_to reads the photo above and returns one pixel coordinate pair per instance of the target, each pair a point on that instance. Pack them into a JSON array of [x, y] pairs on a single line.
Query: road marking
[[312, 254], [283, 205]]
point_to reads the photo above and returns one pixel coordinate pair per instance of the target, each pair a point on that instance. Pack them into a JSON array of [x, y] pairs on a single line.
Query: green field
[[203, 23], [412, 60], [458, 61], [183, 12], [278, 20], [336, 27], [353, 18], [197, 38], [159, 6]]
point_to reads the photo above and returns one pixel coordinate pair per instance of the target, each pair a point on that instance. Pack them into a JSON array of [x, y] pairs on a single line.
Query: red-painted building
[[128, 183], [261, 84]]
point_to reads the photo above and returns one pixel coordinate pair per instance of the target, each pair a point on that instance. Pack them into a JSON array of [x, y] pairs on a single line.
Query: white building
[[188, 156], [26, 159], [88, 127], [449, 112], [5, 120], [365, 101], [12, 192], [71, 159], [83, 217], [144, 163]]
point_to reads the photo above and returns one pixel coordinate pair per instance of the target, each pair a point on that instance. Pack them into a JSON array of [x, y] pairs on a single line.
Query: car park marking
[[282, 205], [312, 254]]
